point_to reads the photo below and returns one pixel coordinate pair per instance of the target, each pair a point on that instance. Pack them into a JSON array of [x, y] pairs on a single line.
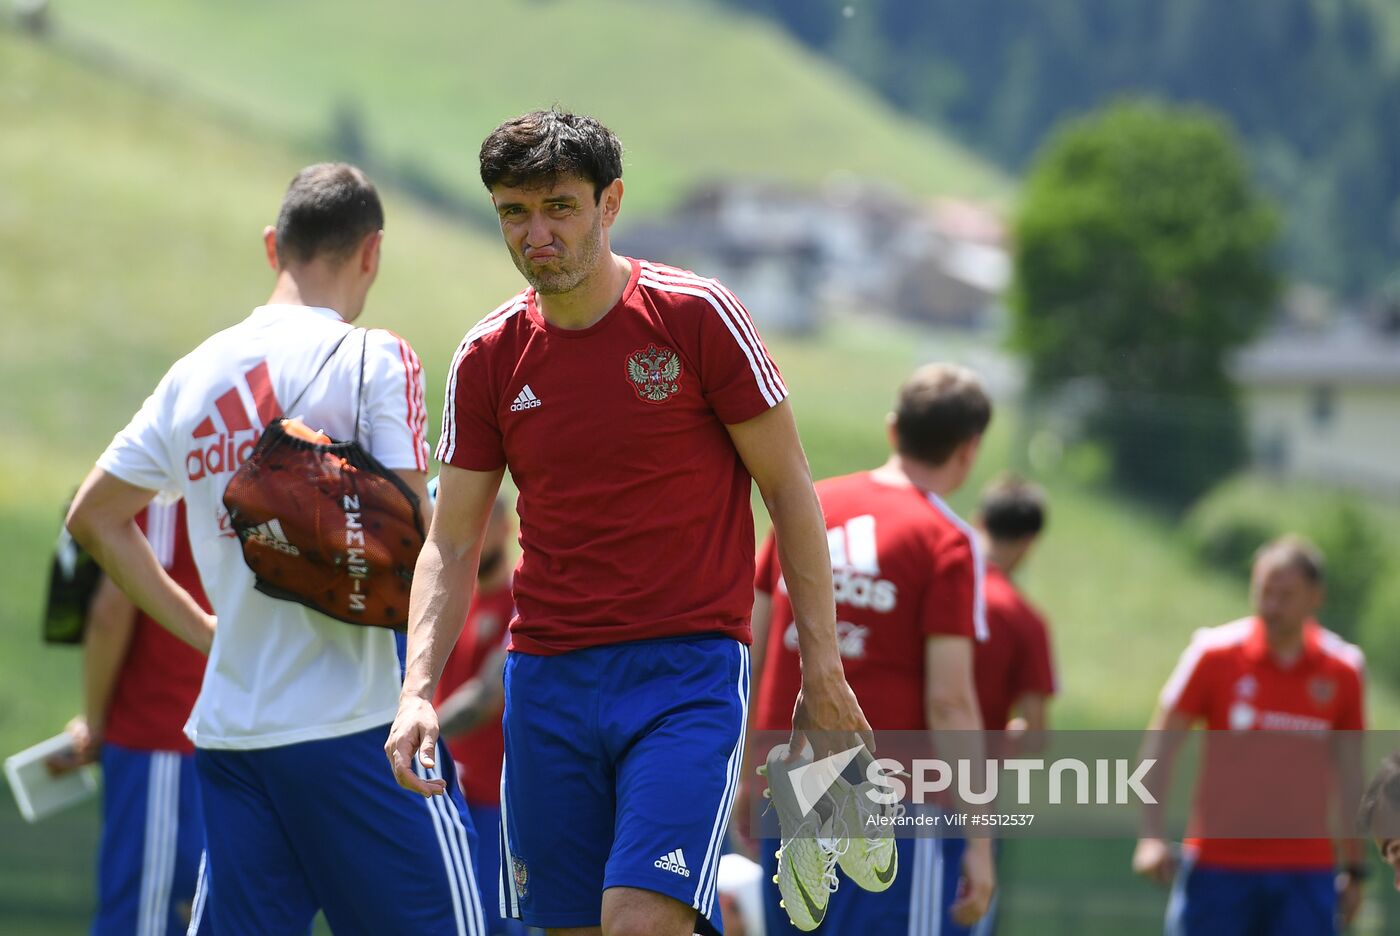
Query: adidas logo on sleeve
[[673, 861], [524, 400]]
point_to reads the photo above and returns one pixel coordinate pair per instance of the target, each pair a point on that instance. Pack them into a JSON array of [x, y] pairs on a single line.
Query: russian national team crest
[[655, 373], [521, 873], [1322, 690]]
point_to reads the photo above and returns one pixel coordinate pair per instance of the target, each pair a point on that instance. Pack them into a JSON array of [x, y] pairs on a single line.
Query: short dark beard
[[569, 277]]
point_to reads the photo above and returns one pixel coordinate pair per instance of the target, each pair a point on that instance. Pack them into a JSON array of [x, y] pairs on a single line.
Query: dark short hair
[[329, 209], [536, 149], [1295, 551], [1012, 508], [939, 408], [1384, 790]]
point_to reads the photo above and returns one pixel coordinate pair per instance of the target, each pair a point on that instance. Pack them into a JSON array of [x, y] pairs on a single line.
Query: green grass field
[[429, 80], [129, 230]]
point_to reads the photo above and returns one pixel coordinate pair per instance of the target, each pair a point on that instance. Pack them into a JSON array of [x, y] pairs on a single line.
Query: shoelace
[[831, 847]]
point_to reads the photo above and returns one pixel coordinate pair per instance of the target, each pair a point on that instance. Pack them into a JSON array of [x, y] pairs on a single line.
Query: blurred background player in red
[[908, 580], [1277, 670], [1013, 667], [470, 698], [139, 683]]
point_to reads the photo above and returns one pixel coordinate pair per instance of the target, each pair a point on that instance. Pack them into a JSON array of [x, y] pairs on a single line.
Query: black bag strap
[[312, 381]]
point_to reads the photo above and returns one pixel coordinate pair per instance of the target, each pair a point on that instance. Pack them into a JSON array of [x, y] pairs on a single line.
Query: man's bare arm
[[437, 610], [772, 452], [1153, 858], [950, 707], [475, 699], [758, 653], [111, 620], [102, 519], [1033, 710]]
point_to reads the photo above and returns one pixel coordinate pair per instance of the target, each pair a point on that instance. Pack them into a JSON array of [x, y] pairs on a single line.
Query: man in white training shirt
[[295, 706]]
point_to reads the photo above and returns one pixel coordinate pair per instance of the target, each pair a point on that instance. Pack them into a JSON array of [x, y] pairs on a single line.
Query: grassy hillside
[[129, 232], [692, 90]]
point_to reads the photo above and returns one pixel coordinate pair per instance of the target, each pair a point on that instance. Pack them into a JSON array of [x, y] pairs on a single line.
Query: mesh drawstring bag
[[324, 523]]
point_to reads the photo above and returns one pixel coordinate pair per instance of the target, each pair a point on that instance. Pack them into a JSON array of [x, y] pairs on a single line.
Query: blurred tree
[[348, 138], [1380, 630], [1355, 554], [1312, 85], [1143, 259]]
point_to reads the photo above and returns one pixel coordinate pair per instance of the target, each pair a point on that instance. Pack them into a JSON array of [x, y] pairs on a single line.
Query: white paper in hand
[[38, 792]]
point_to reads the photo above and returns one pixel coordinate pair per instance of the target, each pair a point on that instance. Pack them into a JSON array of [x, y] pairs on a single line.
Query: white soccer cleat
[[869, 856], [807, 860]]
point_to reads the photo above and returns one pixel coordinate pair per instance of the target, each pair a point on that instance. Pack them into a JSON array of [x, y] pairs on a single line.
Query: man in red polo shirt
[[139, 684], [469, 701], [908, 574], [1276, 671], [1012, 667]]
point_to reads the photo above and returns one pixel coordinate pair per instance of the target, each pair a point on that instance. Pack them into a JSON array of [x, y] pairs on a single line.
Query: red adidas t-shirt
[[161, 675], [905, 568], [479, 752], [634, 504], [1015, 657], [1228, 680]]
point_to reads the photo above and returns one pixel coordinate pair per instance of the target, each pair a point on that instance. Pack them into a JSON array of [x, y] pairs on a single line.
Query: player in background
[[470, 698], [635, 406], [1013, 667], [295, 705], [139, 684], [1276, 670], [908, 577]]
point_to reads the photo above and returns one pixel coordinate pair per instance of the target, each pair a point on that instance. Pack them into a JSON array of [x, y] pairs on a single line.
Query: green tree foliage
[[1380, 629], [1143, 259], [1310, 84]]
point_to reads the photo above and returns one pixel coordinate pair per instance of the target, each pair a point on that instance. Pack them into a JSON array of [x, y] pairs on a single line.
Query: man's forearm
[[110, 625], [1162, 742], [806, 563], [466, 708], [437, 611], [476, 699]]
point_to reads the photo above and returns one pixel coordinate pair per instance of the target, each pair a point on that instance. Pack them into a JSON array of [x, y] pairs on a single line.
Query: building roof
[[1342, 356]]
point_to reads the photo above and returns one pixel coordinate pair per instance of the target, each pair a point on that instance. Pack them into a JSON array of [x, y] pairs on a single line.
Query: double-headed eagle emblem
[[655, 373]]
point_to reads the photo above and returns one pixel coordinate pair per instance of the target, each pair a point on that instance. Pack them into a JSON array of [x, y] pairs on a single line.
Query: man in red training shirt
[[1281, 671], [139, 684], [1012, 667]]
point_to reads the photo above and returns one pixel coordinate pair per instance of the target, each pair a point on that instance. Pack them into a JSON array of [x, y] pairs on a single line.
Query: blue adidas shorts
[[916, 904], [323, 825], [622, 763], [1221, 902], [152, 837], [486, 820]]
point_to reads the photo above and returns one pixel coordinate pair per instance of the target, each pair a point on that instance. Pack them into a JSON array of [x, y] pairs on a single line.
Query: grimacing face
[[554, 232]]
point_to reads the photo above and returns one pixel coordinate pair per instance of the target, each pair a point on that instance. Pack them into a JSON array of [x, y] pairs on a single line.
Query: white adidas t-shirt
[[279, 673]]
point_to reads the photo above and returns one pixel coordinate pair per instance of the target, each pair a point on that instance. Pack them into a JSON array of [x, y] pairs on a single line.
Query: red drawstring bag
[[324, 523]]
